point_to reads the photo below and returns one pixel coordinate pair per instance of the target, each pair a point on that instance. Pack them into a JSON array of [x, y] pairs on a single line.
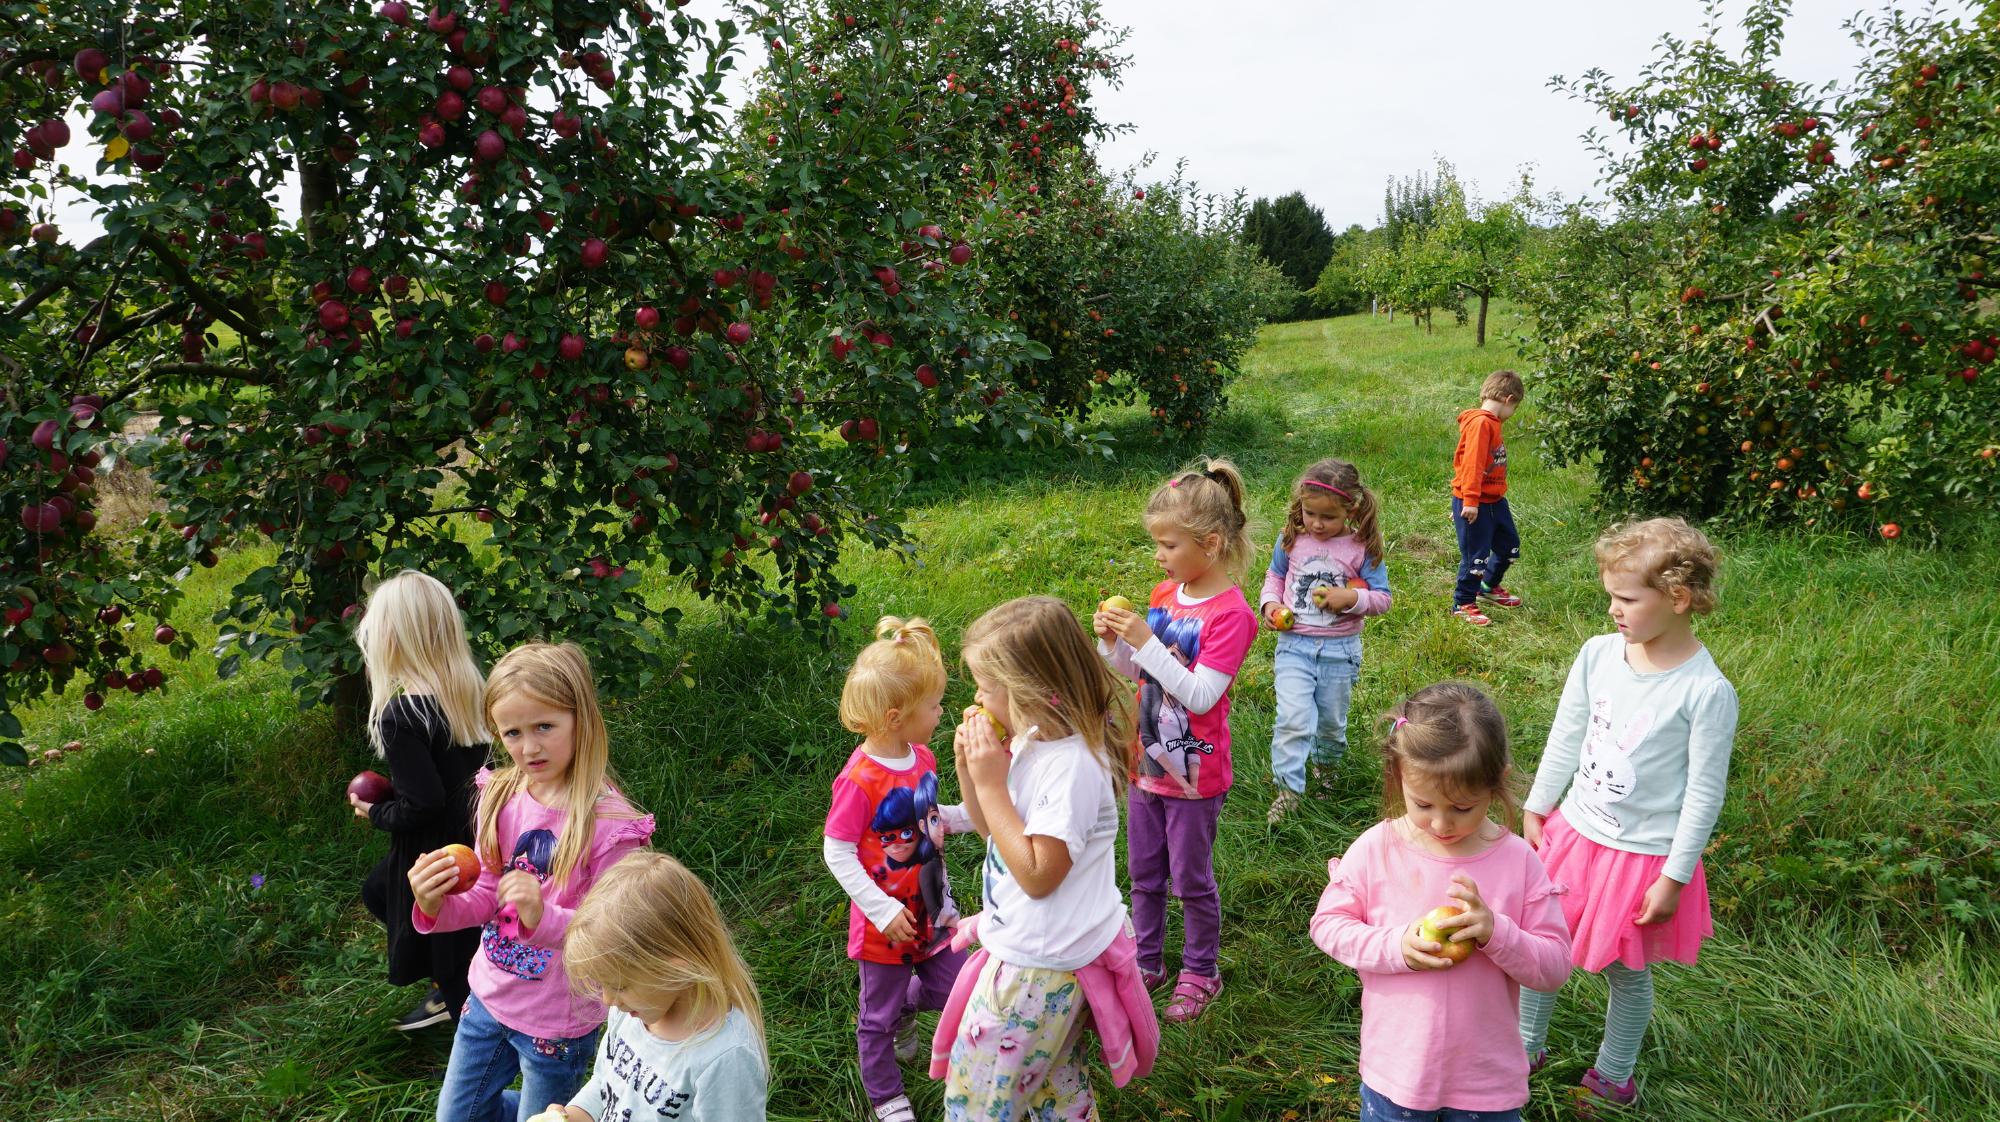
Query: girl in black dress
[[427, 722]]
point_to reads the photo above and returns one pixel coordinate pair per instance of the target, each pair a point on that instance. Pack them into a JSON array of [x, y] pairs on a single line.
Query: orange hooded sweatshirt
[[1479, 465]]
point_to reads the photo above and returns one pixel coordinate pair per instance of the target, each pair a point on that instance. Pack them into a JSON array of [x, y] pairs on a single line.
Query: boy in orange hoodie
[[1487, 540]]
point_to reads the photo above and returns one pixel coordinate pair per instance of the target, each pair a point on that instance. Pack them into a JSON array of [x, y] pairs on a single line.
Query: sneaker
[[1192, 993], [910, 1042], [1500, 596], [1536, 1064], [430, 1011], [1152, 979], [1286, 802], [897, 1109], [1597, 1091], [1471, 614]]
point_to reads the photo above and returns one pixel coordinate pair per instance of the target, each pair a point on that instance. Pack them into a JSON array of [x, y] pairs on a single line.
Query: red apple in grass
[[468, 867], [370, 787]]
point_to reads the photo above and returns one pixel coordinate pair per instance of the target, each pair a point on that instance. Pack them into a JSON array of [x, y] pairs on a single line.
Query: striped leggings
[[1625, 1018]]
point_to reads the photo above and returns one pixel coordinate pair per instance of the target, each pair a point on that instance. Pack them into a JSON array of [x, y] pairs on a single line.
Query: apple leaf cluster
[[1787, 313]]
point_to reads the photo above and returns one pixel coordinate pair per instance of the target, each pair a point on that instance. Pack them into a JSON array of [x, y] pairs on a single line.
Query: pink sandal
[[1192, 993]]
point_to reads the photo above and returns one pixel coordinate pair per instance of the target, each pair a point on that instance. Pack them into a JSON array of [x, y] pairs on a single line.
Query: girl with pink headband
[[1326, 577]]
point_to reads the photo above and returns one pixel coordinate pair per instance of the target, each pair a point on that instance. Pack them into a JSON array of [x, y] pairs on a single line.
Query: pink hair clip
[[1173, 482], [1400, 722], [1329, 487]]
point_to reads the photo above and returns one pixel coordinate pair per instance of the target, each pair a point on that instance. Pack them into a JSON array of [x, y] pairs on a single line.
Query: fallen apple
[[1428, 929], [370, 787], [468, 867]]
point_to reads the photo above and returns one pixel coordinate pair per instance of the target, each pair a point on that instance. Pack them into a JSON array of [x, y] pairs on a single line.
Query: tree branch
[[246, 375], [251, 329]]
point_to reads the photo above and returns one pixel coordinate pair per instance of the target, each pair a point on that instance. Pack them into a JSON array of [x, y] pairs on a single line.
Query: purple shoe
[[1598, 1091], [1153, 979], [1540, 1059]]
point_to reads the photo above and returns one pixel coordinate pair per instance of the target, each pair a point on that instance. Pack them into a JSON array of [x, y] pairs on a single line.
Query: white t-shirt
[[1062, 792], [717, 1076]]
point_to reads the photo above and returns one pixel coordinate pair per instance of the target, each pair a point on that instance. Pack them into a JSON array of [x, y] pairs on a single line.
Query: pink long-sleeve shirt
[[518, 973], [1437, 1039]]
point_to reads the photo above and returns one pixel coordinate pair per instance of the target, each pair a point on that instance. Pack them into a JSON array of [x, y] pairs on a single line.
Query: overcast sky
[[1331, 97]]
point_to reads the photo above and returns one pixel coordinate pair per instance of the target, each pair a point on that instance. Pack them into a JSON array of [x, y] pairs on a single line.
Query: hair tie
[[1173, 482], [1329, 487], [1400, 722], [1055, 701]]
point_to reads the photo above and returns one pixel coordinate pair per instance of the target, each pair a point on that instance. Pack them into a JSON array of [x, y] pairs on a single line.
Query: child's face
[[1325, 516], [650, 1004], [1505, 408], [539, 737], [1180, 555], [1643, 613], [994, 699], [919, 723], [1450, 820]]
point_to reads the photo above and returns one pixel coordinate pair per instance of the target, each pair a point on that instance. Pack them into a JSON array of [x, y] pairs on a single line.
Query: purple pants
[[890, 992], [1172, 841]]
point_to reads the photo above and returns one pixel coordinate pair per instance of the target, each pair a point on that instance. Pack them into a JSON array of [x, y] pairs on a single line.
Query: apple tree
[[1788, 313], [492, 291]]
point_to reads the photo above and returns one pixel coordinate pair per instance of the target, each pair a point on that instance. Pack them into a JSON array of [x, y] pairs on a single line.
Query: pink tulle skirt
[[1604, 890]]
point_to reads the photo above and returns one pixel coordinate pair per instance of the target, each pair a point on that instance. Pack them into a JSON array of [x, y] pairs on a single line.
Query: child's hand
[[1531, 829], [981, 758], [1269, 610], [902, 929], [361, 809], [1420, 953], [1469, 512], [430, 876], [1337, 599], [520, 888], [1474, 916], [1132, 627], [1102, 625], [1662, 901]]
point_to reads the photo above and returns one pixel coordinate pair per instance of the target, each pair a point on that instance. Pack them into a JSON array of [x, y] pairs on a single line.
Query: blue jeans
[[1375, 1108], [1314, 679], [1487, 545], [485, 1057]]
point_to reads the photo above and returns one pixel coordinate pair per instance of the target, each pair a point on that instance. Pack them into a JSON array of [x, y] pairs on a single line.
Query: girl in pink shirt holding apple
[[1445, 914]]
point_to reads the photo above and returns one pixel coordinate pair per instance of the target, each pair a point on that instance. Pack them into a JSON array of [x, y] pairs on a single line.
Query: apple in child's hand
[[370, 787], [999, 729], [1429, 929], [1282, 618], [468, 867], [1119, 602]]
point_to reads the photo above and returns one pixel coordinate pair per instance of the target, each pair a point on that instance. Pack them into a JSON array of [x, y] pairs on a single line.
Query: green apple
[[1428, 929]]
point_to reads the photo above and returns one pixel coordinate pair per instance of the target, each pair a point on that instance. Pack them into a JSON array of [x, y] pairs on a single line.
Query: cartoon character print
[[909, 849], [534, 852], [1605, 775], [938, 900], [1166, 732], [1309, 576]]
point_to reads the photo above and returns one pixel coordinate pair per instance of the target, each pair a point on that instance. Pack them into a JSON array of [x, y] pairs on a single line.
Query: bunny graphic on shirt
[[1605, 775]]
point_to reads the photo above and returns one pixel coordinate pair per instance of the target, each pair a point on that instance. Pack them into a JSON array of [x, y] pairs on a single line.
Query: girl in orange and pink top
[[1444, 764]]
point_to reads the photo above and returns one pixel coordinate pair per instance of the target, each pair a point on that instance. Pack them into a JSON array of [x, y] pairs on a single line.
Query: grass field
[[185, 939]]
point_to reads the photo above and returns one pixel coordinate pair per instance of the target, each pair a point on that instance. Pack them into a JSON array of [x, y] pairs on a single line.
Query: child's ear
[[1683, 599]]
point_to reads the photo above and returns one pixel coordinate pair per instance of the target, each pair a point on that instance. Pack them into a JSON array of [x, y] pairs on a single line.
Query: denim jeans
[[1314, 679], [1487, 545], [485, 1057], [1375, 1108]]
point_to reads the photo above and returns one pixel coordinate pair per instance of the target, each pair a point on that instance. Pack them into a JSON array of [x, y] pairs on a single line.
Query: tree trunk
[[1482, 318]]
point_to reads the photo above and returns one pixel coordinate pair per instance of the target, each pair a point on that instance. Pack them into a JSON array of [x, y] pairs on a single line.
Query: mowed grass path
[[149, 977]]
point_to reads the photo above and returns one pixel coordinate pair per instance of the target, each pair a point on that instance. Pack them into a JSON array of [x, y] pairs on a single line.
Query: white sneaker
[[897, 1109]]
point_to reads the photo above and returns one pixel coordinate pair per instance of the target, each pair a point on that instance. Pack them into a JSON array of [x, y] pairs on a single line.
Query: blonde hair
[[558, 676], [1453, 733], [1203, 500], [1035, 650], [1668, 553], [901, 669], [1342, 481], [412, 641], [648, 923], [1502, 385]]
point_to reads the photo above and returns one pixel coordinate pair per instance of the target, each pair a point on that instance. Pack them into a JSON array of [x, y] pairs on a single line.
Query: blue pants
[[1375, 1108], [485, 1057], [1314, 679], [1486, 547]]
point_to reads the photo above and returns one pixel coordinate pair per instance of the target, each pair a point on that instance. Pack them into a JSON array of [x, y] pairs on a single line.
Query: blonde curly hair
[[1668, 553]]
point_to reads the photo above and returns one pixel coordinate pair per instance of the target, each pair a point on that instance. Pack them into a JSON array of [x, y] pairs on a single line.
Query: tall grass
[[148, 979]]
